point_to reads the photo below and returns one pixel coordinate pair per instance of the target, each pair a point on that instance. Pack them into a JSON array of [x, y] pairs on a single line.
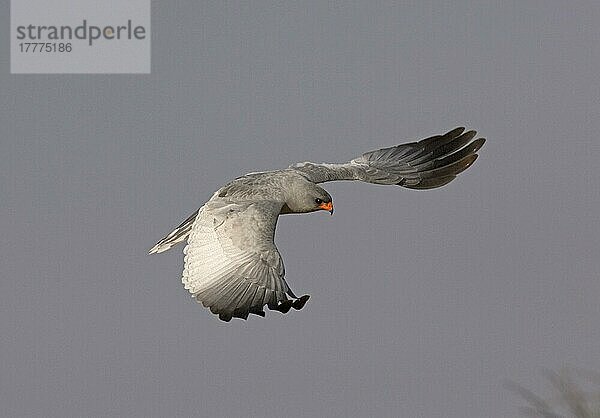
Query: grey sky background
[[423, 302]]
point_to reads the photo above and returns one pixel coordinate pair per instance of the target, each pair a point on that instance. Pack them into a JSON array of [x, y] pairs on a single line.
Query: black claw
[[284, 306], [299, 303]]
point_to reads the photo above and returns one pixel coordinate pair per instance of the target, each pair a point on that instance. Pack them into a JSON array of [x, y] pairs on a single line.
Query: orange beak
[[327, 206]]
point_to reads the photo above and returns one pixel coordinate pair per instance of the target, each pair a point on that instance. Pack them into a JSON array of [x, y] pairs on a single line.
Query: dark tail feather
[[176, 236]]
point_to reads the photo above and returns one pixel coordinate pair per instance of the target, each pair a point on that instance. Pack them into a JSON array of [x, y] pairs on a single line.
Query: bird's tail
[[426, 164], [179, 234]]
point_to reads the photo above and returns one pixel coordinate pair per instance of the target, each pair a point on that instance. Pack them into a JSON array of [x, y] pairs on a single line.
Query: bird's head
[[322, 201], [309, 198]]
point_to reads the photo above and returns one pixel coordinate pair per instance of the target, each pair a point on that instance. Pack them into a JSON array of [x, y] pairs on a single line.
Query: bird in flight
[[231, 263]]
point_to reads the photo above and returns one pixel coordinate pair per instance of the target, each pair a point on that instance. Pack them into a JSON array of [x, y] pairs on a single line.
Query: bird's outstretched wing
[[231, 263], [426, 164]]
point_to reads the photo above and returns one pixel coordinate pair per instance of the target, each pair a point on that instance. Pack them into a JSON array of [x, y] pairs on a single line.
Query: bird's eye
[[318, 201]]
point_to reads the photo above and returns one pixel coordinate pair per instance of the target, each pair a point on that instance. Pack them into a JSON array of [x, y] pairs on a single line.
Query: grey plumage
[[427, 164], [231, 263]]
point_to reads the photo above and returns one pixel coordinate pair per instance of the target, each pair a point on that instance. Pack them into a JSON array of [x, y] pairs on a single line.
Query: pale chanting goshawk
[[231, 263]]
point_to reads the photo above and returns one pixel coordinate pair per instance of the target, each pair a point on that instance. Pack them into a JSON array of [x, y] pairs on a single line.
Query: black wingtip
[[477, 144], [225, 317], [257, 311], [283, 306], [456, 131]]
